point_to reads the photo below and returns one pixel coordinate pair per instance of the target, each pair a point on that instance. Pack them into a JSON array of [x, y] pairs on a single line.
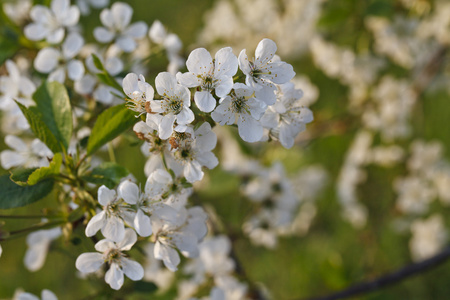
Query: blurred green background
[[333, 255]]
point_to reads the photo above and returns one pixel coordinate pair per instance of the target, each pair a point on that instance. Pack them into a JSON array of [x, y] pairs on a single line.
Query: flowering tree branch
[[389, 279]]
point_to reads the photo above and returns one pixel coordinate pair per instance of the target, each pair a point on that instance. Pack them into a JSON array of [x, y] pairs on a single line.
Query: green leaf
[[108, 173], [97, 62], [109, 125], [46, 172], [8, 45], [144, 287], [104, 76], [20, 175], [39, 128], [13, 195], [53, 104]]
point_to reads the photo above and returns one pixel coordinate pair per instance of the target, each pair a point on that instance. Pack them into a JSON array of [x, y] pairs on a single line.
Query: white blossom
[[287, 117], [184, 235], [111, 219], [57, 63], [264, 71], [209, 75], [174, 106], [49, 24], [112, 253], [243, 109], [116, 22], [139, 92]]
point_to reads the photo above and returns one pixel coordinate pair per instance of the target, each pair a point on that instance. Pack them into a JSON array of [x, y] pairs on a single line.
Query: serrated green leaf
[[108, 173], [20, 175], [53, 104], [109, 125], [13, 195], [97, 62], [39, 128], [46, 172], [109, 80], [104, 76]]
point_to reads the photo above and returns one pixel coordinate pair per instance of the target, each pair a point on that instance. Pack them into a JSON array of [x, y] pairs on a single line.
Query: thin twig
[[389, 279]]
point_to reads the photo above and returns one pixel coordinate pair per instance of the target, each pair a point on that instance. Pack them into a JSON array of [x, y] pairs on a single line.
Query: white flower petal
[[56, 36], [128, 191], [126, 43], [35, 31], [200, 62], [136, 30], [168, 255], [142, 224], [114, 229], [72, 45], [103, 35], [193, 171], [128, 241], [250, 130], [132, 269], [105, 195], [226, 63], [89, 262], [121, 13], [75, 69], [165, 128], [114, 277], [95, 224], [185, 116], [205, 101], [265, 51], [35, 256], [46, 60]]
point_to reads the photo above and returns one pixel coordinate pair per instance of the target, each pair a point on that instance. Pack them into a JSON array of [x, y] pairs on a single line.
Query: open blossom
[[138, 91], [146, 205], [287, 117], [116, 22], [57, 63], [243, 109], [264, 71], [49, 23], [183, 234], [174, 106], [193, 150], [209, 75], [111, 219], [112, 253]]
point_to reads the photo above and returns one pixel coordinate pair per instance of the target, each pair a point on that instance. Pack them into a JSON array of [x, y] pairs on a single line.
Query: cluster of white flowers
[[253, 106], [153, 213]]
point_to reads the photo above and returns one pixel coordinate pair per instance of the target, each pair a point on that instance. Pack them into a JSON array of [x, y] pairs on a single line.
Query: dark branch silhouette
[[389, 279]]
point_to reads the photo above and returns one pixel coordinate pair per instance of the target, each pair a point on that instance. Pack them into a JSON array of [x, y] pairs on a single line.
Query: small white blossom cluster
[[290, 23], [283, 205], [428, 237], [153, 213], [358, 72], [213, 264]]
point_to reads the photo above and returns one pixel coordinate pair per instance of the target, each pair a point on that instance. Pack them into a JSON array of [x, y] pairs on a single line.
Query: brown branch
[[389, 279]]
